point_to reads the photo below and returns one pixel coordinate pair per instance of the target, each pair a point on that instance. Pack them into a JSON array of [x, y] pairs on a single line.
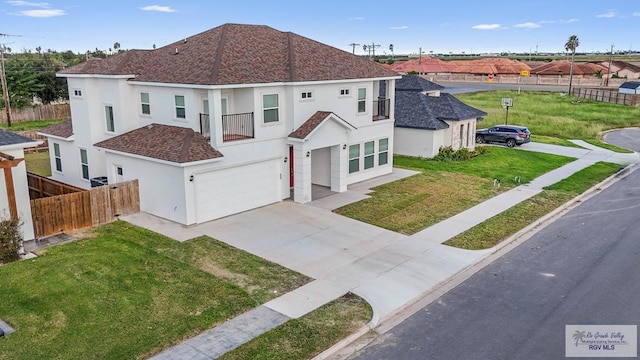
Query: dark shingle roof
[[63, 129], [630, 85], [416, 83], [164, 142], [10, 138], [416, 110], [308, 126], [237, 54]]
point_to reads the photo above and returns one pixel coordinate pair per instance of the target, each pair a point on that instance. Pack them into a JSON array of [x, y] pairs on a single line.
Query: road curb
[[349, 345]]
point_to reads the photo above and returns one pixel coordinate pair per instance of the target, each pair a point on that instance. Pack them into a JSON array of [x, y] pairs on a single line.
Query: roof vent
[[185, 40], [149, 126], [177, 51]]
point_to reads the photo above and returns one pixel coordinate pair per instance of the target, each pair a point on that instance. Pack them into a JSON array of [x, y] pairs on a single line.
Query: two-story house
[[227, 120]]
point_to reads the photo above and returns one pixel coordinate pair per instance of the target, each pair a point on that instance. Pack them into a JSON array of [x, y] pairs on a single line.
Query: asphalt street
[[581, 269], [626, 138]]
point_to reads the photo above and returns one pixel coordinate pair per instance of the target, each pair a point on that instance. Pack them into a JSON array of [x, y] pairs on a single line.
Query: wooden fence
[[82, 209], [607, 95], [38, 112], [40, 186]]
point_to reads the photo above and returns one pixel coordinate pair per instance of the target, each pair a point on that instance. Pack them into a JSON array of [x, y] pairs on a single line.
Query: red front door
[[290, 166]]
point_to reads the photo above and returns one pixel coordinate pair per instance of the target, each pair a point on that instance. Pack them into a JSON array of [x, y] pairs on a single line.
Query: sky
[[469, 26]]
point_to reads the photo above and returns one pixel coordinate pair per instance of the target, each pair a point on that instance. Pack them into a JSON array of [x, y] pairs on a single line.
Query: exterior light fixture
[[286, 159], [308, 153]]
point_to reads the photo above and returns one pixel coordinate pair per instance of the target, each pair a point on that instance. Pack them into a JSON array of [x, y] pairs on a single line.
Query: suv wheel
[[511, 142], [480, 139]]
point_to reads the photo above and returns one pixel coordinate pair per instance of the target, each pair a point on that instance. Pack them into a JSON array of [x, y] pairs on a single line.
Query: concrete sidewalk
[[389, 270]]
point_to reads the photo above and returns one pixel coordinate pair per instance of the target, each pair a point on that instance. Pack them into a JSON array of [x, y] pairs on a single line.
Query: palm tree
[[578, 336], [116, 46], [571, 45]]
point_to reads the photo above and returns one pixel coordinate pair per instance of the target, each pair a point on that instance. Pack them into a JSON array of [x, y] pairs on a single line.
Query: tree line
[[32, 75]]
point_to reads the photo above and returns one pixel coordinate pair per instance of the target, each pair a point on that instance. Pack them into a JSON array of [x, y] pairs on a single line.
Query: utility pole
[[5, 93], [353, 47], [606, 83]]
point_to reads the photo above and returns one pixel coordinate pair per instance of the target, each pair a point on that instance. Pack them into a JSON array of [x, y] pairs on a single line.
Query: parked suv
[[511, 135]]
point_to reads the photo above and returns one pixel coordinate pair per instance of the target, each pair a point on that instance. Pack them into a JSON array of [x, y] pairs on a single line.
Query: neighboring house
[[233, 118], [563, 68], [427, 119], [14, 189], [623, 69], [630, 87]]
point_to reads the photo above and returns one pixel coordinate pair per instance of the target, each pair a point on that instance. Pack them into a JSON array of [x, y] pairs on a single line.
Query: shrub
[[10, 240], [446, 153]]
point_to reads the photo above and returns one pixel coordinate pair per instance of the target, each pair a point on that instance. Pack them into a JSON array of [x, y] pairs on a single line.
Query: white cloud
[[44, 13], [527, 25], [636, 13], [608, 15], [158, 8], [486, 26], [43, 5], [398, 27], [357, 18]]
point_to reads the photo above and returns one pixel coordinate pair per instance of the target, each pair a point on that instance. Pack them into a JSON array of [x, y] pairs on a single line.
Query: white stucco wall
[[161, 186], [21, 189], [417, 143], [321, 166]]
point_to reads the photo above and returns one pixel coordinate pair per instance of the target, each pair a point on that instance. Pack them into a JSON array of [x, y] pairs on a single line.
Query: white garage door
[[224, 192]]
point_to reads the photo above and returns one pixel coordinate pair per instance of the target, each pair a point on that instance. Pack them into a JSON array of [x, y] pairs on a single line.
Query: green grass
[[125, 294], [444, 189], [553, 141], [608, 146], [38, 163], [309, 335], [491, 232], [31, 125], [552, 115]]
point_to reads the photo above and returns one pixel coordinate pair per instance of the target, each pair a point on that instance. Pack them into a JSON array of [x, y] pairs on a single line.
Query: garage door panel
[[224, 192]]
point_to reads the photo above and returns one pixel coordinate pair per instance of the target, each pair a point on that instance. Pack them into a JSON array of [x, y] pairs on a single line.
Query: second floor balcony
[[381, 109], [235, 127]]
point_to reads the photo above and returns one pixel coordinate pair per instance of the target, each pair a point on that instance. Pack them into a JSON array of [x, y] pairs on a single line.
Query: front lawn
[[445, 188], [128, 293], [491, 232], [309, 335]]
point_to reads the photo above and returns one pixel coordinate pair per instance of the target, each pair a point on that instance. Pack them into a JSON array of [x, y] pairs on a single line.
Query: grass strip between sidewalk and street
[[309, 335], [123, 292], [446, 188], [493, 231]]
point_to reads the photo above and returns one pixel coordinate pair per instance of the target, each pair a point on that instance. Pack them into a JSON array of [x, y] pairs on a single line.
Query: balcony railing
[[381, 109], [205, 126], [237, 127]]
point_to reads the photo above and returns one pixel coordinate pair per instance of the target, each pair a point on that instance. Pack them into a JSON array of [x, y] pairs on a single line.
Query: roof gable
[[237, 54], [316, 120], [163, 142]]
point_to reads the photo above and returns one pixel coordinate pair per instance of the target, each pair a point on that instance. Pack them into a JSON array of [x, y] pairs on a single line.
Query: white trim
[[206, 170], [69, 139], [20, 145]]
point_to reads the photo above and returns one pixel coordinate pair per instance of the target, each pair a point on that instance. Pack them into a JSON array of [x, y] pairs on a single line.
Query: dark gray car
[[511, 135]]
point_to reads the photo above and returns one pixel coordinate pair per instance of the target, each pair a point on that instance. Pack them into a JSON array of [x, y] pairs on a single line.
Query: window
[[111, 126], [354, 158], [270, 108], [119, 171], [84, 161], [383, 148], [461, 135], [306, 95], [56, 155], [362, 100], [77, 92], [144, 102], [369, 156], [344, 92], [468, 134], [181, 111]]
